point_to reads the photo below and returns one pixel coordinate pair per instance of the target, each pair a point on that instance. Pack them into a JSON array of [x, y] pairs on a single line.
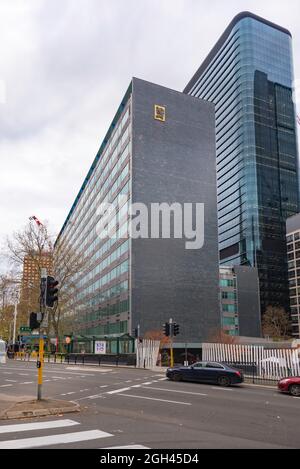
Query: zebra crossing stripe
[[25, 427], [54, 439]]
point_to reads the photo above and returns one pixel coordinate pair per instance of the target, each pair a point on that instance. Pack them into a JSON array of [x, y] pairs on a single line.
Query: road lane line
[[48, 371], [5, 385], [25, 427], [10, 381], [154, 399], [117, 391], [173, 390], [54, 439], [222, 389]]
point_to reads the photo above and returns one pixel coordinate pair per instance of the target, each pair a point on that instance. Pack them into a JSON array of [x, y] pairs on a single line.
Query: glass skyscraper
[[249, 77]]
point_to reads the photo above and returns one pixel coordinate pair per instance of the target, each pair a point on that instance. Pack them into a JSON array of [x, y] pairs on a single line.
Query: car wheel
[[224, 381], [177, 377], [295, 390]]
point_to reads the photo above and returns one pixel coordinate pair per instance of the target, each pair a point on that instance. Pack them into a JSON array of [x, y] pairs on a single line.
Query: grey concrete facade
[[174, 162], [248, 299]]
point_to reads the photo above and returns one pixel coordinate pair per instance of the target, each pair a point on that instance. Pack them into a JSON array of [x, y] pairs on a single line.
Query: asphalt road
[[141, 409]]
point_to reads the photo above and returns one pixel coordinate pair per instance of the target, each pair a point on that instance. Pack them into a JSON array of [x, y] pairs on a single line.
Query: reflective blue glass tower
[[249, 77]]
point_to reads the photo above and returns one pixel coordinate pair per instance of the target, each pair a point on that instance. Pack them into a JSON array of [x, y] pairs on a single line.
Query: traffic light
[[175, 329], [167, 329], [51, 291], [33, 322]]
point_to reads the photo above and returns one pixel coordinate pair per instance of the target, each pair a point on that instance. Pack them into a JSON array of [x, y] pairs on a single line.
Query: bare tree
[[30, 247], [68, 265], [221, 336], [34, 245], [276, 323], [7, 297]]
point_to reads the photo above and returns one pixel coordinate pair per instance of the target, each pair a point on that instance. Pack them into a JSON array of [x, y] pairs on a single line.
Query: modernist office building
[[240, 301], [249, 77], [160, 148], [293, 249]]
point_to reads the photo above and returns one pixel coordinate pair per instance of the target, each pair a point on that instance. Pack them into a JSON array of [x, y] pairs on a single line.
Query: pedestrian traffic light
[[175, 329], [167, 329], [51, 292], [33, 322]]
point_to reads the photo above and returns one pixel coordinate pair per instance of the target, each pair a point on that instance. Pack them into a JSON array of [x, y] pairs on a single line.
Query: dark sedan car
[[290, 386], [206, 372]]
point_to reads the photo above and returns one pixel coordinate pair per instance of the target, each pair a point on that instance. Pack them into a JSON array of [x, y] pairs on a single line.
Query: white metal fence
[[264, 363], [147, 353]]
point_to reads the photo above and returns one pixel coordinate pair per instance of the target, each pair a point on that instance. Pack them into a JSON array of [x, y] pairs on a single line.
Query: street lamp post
[[16, 299]]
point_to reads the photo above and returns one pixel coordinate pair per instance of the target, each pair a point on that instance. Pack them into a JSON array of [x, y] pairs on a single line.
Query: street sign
[[100, 347], [25, 329]]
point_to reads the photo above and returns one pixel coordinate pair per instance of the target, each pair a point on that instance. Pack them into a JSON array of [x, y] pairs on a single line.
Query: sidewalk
[[20, 407]]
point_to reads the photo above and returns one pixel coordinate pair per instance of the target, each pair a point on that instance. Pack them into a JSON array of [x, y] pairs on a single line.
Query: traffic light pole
[[40, 363], [171, 343]]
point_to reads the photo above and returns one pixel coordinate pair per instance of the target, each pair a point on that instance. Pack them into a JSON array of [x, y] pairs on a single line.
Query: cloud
[[65, 65]]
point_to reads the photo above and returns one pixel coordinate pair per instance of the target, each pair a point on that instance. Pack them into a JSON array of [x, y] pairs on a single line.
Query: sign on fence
[[100, 347]]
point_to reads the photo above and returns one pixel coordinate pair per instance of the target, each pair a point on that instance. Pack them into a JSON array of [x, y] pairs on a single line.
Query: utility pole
[[15, 316]]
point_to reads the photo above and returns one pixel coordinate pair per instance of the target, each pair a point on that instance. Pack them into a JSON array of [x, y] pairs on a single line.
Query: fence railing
[[256, 362]]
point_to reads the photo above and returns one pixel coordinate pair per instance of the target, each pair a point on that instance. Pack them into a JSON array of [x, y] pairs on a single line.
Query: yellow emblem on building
[[160, 113]]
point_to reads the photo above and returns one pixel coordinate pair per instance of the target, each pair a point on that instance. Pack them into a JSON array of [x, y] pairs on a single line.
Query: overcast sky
[[66, 64]]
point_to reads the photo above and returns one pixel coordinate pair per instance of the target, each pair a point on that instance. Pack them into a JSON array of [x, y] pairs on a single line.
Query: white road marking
[[153, 399], [222, 389], [54, 439], [106, 386], [5, 385], [117, 391], [136, 386], [69, 393], [86, 370], [11, 381], [49, 371], [127, 447], [146, 384], [29, 382], [163, 379], [24, 427], [173, 390]]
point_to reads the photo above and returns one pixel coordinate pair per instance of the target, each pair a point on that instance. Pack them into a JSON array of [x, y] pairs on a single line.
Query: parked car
[[290, 386], [206, 372]]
